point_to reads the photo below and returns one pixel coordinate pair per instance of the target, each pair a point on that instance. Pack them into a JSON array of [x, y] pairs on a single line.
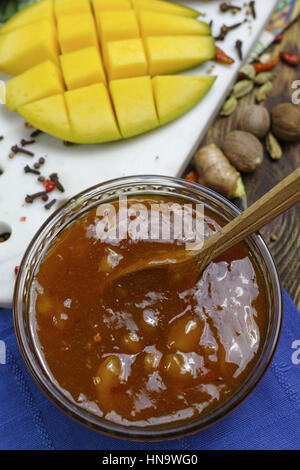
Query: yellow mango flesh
[[176, 94], [156, 24], [49, 115], [42, 10], [164, 7], [28, 46], [117, 25], [66, 7], [138, 39], [109, 5], [134, 105], [38, 82], [171, 54], [125, 59], [91, 115], [76, 32], [89, 72]]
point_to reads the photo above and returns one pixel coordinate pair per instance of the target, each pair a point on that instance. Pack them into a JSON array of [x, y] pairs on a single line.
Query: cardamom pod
[[242, 88], [264, 77], [273, 147], [263, 91], [229, 106], [249, 71]]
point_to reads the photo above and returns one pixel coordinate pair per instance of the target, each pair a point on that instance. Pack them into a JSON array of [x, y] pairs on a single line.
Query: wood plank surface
[[283, 234]]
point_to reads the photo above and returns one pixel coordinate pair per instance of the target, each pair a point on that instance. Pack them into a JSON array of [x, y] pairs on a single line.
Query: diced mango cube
[[176, 94], [134, 105], [171, 54], [82, 68], [42, 10], [164, 7], [109, 5], [49, 115], [66, 7], [28, 46], [158, 24], [76, 32], [42, 80], [117, 25], [91, 115], [125, 59]]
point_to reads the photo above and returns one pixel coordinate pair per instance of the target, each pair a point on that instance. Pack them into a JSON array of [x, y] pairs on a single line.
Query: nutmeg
[[256, 120], [243, 150], [286, 122]]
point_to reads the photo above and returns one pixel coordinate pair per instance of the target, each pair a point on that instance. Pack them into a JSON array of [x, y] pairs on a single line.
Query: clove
[[50, 204], [36, 133], [27, 169], [27, 142], [226, 7], [238, 46], [16, 149], [252, 8], [31, 197], [225, 30], [55, 180]]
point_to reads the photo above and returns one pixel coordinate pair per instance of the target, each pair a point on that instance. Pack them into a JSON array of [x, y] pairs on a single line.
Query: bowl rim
[[158, 432]]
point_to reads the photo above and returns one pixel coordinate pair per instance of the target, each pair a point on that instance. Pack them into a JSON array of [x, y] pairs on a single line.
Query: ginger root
[[216, 172]]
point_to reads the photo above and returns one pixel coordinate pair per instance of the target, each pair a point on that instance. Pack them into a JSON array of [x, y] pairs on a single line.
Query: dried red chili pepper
[[278, 38], [191, 176], [48, 185], [290, 58], [259, 67], [16, 270], [222, 58]]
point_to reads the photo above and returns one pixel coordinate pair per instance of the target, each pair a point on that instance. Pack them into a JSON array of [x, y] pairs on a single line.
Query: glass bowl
[[75, 207]]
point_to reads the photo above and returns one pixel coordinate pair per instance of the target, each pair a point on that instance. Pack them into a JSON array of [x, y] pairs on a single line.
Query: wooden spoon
[[273, 203]]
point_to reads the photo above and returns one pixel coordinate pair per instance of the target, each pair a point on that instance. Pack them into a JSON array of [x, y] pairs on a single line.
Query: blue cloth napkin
[[268, 419]]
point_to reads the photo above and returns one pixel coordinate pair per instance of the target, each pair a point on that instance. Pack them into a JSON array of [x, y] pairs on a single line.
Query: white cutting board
[[164, 151]]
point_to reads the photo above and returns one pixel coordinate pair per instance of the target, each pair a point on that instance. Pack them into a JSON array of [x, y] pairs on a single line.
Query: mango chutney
[[153, 347]]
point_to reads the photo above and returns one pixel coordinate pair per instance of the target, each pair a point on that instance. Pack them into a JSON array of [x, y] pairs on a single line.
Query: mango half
[[102, 70]]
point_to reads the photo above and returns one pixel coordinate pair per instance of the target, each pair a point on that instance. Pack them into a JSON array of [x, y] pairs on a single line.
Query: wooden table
[[283, 234]]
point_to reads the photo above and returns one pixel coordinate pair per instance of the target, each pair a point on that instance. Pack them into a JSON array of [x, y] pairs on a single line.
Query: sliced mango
[[125, 59], [66, 7], [134, 105], [164, 7], [158, 24], [42, 80], [28, 46], [49, 115], [176, 94], [109, 5], [90, 70], [117, 25], [91, 115], [76, 32], [42, 10], [171, 54]]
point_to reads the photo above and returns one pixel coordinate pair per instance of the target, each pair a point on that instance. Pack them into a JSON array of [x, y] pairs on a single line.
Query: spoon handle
[[280, 198]]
